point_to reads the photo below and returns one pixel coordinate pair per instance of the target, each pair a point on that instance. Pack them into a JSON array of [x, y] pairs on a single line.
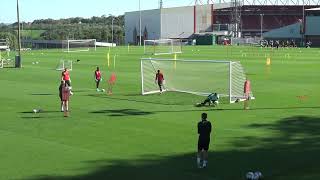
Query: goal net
[[162, 46], [5, 60], [64, 64], [79, 45], [200, 77]]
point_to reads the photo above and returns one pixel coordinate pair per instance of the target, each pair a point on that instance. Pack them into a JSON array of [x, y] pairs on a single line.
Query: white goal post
[[162, 46], [200, 77], [1, 61], [79, 45], [64, 64]]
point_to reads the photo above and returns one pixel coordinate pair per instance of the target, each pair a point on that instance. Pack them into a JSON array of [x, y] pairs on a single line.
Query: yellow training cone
[[268, 62]]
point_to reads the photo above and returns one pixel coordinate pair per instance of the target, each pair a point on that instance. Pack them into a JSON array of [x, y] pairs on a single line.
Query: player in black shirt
[[62, 84], [204, 130]]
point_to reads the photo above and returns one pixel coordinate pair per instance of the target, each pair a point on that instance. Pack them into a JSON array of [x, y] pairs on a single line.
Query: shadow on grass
[[42, 112], [135, 112], [123, 112], [291, 153], [30, 117], [42, 94], [272, 108], [155, 102]]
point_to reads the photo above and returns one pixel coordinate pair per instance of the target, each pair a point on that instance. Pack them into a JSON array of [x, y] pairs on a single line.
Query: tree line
[[99, 28]]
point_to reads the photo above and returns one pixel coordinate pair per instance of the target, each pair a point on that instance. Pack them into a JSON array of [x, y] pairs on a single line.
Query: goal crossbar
[[81, 45], [162, 46]]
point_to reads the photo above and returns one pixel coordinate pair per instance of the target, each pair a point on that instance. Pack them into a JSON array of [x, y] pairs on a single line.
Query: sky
[[41, 9]]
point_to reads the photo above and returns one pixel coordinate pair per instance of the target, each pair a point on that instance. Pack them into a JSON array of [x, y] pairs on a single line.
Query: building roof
[[313, 9]]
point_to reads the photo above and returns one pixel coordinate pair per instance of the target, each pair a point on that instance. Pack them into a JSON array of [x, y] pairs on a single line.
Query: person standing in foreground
[[65, 76], [159, 80], [97, 77], [204, 130], [246, 91]]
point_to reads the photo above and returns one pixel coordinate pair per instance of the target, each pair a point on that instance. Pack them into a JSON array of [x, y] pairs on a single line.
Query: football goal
[[5, 61], [64, 64], [200, 77], [162, 46], [79, 45]]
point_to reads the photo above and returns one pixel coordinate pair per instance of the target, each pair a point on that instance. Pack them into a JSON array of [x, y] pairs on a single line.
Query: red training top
[[247, 87], [65, 76], [98, 75], [159, 77], [112, 78]]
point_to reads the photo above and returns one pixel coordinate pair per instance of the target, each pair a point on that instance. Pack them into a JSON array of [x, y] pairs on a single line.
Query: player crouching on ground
[[211, 99]]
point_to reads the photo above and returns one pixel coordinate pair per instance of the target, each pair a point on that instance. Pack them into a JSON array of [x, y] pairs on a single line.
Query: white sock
[[62, 108], [198, 161], [205, 163]]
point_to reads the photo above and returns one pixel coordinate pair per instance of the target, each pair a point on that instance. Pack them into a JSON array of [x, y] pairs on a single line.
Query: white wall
[[177, 21]]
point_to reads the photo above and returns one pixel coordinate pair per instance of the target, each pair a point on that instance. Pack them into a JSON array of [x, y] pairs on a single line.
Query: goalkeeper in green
[[211, 99]]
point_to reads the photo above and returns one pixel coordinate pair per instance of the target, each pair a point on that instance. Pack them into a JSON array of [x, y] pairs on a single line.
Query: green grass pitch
[[129, 136]]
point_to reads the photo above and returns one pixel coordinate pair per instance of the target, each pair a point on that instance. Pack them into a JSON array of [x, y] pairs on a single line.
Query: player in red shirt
[[65, 76], [97, 77], [246, 91], [159, 80], [111, 82]]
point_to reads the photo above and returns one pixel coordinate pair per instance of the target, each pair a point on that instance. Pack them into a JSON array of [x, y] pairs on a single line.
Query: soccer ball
[[250, 176], [254, 175], [216, 103], [103, 90], [257, 175]]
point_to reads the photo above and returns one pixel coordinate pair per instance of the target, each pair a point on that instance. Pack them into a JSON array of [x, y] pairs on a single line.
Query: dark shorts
[[160, 83], [68, 82], [203, 144]]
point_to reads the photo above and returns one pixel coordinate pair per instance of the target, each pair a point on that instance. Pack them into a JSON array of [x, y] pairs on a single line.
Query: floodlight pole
[[261, 25], [140, 33], [303, 24], [18, 65], [112, 31]]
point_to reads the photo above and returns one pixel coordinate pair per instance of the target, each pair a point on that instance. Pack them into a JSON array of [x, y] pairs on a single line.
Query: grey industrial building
[[170, 23], [281, 20]]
